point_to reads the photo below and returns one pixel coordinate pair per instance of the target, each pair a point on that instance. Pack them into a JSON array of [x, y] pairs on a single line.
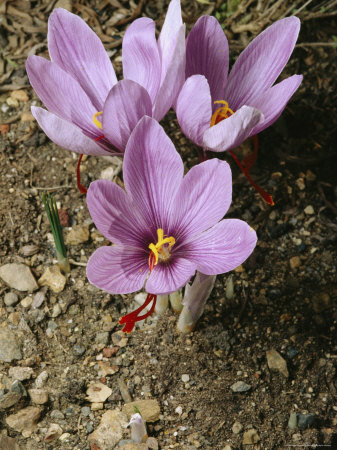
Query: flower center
[[221, 113], [160, 251]]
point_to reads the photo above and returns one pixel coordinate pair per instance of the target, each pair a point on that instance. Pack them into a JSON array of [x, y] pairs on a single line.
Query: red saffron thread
[[81, 188], [99, 138], [130, 319], [266, 197]]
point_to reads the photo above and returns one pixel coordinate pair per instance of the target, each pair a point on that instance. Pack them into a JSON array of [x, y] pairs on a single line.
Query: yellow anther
[[158, 249], [221, 113], [96, 122]]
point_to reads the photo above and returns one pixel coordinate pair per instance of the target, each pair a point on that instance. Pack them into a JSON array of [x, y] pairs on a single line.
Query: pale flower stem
[[161, 304], [138, 428], [175, 300], [63, 262], [229, 287], [194, 301]]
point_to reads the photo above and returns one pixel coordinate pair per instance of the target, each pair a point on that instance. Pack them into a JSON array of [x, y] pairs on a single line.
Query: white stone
[[18, 276], [98, 392]]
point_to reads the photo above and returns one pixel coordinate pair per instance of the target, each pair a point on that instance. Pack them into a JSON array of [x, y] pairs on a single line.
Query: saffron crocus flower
[[218, 112], [164, 226], [88, 111]]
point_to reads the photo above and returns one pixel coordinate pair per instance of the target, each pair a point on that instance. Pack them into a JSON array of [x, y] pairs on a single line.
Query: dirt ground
[[285, 294]]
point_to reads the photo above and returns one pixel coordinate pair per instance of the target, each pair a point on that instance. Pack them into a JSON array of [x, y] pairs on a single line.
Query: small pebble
[[56, 415], [240, 386], [41, 379], [237, 427], [185, 378], [78, 350], [11, 299], [85, 411], [295, 262], [309, 210], [305, 420]]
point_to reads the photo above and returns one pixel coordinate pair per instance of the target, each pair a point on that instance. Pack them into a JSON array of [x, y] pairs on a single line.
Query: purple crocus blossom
[[80, 81], [159, 199], [253, 102]]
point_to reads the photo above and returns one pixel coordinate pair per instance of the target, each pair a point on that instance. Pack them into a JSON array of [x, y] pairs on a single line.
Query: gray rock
[[78, 350], [149, 409], [12, 396], [110, 430], [56, 415], [38, 299], [8, 443], [53, 433], [240, 386], [20, 373], [305, 420], [11, 299], [98, 392], [85, 411], [18, 276], [276, 362], [38, 396], [9, 347], [102, 337], [237, 427], [41, 379], [250, 437], [24, 421]]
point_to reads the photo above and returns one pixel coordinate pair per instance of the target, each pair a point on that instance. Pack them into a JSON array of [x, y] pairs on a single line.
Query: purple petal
[[231, 132], [223, 247], [207, 54], [173, 80], [61, 93], [153, 171], [272, 102], [77, 50], [168, 34], [114, 215], [259, 65], [118, 270], [126, 104], [194, 108], [141, 60], [203, 198], [169, 277], [65, 134]]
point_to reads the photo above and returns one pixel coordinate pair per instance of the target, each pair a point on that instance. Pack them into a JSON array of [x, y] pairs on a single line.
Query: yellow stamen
[[222, 113], [96, 122], [158, 250]]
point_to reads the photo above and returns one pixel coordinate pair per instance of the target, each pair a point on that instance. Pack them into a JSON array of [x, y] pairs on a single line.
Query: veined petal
[[203, 198], [153, 171], [207, 54], [194, 108], [174, 78], [229, 133], [223, 247], [141, 60], [272, 102], [115, 216], [60, 92], [117, 269], [169, 277], [167, 38], [65, 134], [259, 65], [126, 104], [78, 50]]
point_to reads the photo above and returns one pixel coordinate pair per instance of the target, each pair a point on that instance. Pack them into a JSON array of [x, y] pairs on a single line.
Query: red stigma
[[130, 319], [152, 261], [81, 188], [99, 138]]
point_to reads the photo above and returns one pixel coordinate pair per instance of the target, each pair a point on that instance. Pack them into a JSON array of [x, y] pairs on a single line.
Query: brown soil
[[275, 306]]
